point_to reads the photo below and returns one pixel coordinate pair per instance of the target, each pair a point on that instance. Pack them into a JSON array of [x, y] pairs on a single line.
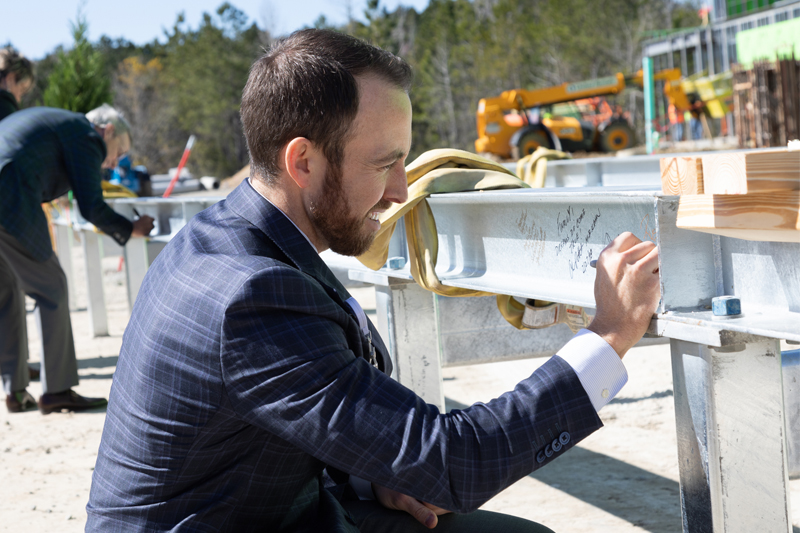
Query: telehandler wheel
[[529, 142], [616, 136]]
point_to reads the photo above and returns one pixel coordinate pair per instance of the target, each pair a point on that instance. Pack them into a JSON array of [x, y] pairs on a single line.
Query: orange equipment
[[519, 121]]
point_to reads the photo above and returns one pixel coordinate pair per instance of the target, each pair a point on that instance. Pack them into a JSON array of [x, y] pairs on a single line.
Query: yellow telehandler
[[572, 116]]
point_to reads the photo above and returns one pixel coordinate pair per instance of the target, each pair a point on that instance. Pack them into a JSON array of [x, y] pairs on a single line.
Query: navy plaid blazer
[[45, 152], [243, 375]]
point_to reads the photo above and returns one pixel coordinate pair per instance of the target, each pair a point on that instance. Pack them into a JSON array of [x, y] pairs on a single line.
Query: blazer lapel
[[251, 206]]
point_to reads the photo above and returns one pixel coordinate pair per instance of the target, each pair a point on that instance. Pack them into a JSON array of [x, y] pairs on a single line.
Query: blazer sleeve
[[287, 368], [83, 157]]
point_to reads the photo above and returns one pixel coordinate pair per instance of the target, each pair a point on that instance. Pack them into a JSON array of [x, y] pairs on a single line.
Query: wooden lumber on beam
[[681, 175], [726, 173], [751, 172], [771, 216]]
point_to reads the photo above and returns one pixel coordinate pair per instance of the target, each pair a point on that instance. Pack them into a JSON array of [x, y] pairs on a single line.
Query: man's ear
[[303, 162]]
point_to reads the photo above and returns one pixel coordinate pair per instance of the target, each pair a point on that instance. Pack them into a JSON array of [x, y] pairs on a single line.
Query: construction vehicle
[[572, 116]]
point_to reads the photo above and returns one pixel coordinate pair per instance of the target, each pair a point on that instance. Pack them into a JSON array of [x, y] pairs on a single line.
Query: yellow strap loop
[[440, 171], [533, 167]]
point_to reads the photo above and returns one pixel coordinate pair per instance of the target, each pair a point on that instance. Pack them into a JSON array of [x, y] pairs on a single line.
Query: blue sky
[[36, 27]]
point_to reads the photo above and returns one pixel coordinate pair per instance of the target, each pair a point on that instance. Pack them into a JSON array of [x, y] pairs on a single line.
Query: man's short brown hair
[[12, 62], [305, 86]]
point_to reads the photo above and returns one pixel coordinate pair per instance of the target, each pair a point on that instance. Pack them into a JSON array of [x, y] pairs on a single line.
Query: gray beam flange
[[696, 331]]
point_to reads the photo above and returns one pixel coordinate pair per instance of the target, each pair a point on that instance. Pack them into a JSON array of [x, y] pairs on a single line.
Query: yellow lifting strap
[[533, 167], [511, 309], [111, 190], [440, 171], [435, 171]]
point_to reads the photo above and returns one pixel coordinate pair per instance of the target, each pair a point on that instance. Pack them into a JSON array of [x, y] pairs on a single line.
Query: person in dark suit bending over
[[252, 393], [44, 153]]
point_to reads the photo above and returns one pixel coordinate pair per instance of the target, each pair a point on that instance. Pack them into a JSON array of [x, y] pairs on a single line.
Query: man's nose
[[397, 186]]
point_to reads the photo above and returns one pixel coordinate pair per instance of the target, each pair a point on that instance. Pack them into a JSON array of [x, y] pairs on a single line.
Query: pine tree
[[79, 81]]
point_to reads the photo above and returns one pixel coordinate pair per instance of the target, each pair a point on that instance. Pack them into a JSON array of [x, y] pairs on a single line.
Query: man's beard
[[333, 220]]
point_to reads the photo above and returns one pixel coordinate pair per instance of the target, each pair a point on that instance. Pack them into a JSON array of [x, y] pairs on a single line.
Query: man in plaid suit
[[44, 153], [251, 394]]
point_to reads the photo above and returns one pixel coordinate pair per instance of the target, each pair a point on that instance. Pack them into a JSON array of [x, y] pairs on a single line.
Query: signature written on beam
[[575, 229]]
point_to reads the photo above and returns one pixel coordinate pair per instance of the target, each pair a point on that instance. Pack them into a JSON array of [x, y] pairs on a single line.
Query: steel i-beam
[[728, 392]]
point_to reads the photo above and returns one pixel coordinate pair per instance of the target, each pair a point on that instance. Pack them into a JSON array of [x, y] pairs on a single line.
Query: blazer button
[[540, 457], [548, 451], [564, 438], [557, 445]]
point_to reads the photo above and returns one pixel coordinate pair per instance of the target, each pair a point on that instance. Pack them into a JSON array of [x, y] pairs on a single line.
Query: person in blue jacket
[[44, 153]]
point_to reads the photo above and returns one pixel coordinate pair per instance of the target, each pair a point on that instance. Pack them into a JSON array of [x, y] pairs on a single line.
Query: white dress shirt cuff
[[599, 368], [362, 487]]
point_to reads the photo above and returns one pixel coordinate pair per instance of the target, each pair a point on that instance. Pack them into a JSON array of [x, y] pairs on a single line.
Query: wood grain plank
[[681, 175], [751, 172], [724, 174], [773, 216], [773, 171]]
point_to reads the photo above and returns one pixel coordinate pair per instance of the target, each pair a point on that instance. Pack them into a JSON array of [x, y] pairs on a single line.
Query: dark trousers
[[46, 283], [371, 517]]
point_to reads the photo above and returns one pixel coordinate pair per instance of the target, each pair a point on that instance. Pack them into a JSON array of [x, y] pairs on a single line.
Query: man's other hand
[[626, 291], [142, 226], [425, 513]]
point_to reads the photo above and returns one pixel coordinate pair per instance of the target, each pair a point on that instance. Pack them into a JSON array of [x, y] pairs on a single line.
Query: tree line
[[461, 51]]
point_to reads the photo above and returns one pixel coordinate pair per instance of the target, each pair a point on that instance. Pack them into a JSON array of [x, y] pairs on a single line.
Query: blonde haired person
[[16, 79]]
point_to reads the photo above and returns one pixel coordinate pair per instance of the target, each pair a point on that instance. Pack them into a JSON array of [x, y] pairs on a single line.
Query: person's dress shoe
[[33, 373], [68, 400], [19, 401]]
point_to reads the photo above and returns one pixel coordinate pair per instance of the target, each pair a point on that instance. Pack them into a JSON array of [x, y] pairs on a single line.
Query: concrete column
[[710, 48]]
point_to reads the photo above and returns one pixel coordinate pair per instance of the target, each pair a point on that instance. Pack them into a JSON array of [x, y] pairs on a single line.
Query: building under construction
[[712, 47]]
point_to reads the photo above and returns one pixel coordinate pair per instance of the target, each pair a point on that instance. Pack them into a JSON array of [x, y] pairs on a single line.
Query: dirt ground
[[623, 478]]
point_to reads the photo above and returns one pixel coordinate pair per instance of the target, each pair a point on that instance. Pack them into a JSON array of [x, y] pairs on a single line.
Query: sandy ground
[[623, 478]]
